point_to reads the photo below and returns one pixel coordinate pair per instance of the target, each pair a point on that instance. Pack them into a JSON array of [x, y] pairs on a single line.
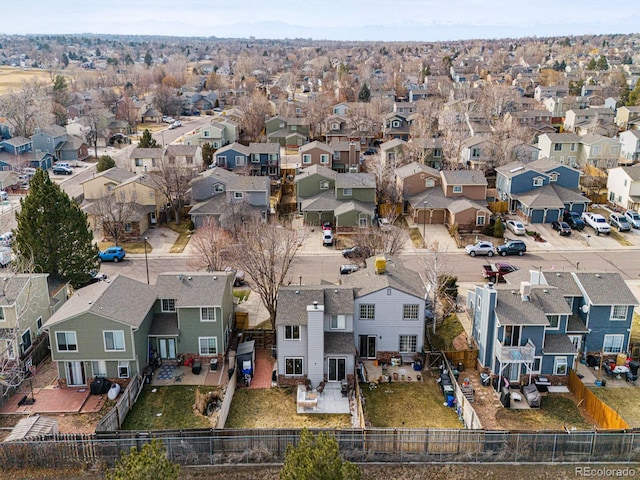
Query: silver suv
[[633, 218], [620, 222]]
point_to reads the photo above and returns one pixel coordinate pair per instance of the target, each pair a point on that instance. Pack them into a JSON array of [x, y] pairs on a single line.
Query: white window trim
[[10, 350], [410, 306], [306, 158], [240, 161], [324, 158], [557, 327], [101, 371], [200, 352], [457, 189], [238, 195], [560, 362], [294, 374], [619, 319], [324, 185], [409, 343], [104, 340], [291, 329], [347, 192], [340, 322], [169, 309], [3, 317], [124, 364], [70, 332], [612, 336], [370, 307], [538, 182], [215, 314]]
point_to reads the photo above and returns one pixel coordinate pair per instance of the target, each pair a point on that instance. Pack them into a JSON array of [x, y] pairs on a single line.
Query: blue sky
[[388, 20]]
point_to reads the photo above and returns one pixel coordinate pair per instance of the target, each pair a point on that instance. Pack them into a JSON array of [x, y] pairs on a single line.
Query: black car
[[355, 252], [370, 151], [562, 228], [512, 247]]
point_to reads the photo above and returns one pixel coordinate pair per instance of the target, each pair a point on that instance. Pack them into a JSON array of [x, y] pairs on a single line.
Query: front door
[[337, 369], [368, 346], [167, 348], [75, 374]]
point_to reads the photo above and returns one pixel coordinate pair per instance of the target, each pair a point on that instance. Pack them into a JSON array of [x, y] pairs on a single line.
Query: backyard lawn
[[449, 329], [409, 405], [557, 412], [166, 408], [625, 401], [184, 235], [276, 408]]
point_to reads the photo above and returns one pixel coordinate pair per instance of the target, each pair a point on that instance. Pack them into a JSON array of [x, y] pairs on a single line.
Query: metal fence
[[213, 447]]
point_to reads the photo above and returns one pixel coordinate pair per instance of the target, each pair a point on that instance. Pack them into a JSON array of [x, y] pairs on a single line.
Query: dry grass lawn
[[276, 408], [129, 247], [625, 401], [184, 235], [558, 411], [11, 78], [409, 405]]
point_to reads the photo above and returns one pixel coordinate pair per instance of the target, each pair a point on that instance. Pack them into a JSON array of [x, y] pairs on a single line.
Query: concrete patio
[[330, 401]]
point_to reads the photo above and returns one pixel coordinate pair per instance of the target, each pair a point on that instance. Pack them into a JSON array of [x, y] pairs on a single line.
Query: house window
[[429, 182], [475, 153], [306, 158], [26, 340], [553, 177], [437, 152], [324, 185], [557, 147], [239, 161], [238, 195], [347, 192], [222, 160], [207, 314], [218, 188], [281, 125], [554, 321], [324, 158], [395, 124], [410, 312], [208, 345], [619, 312], [114, 341], [537, 361], [168, 304], [367, 311], [338, 322], [216, 144], [99, 368], [292, 332], [205, 133], [293, 366], [139, 162], [39, 324], [128, 227], [480, 219], [457, 189], [613, 343], [123, 369], [596, 149], [2, 317], [294, 128], [573, 147], [335, 126], [189, 160], [408, 343], [538, 182], [614, 150], [560, 366], [66, 341]]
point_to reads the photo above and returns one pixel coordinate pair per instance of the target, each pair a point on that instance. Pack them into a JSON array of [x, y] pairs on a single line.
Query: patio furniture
[[307, 399], [532, 395], [542, 384], [320, 388], [177, 374], [621, 370]]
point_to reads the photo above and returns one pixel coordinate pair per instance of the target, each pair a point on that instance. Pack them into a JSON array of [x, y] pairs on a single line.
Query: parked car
[[496, 271], [238, 278], [4, 196], [6, 238], [512, 247], [574, 220], [94, 277], [327, 237], [348, 268], [63, 164], [481, 248], [175, 124], [633, 218], [597, 222], [327, 226], [111, 254], [619, 221], [516, 227], [6, 256], [384, 223], [370, 151], [356, 252], [562, 228], [61, 170]]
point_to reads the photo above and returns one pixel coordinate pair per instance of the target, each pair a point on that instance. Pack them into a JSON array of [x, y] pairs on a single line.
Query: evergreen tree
[[105, 163], [147, 141], [148, 59], [317, 457], [148, 463], [207, 154], [53, 234], [65, 60], [498, 228], [365, 93], [602, 63], [634, 95], [592, 64]]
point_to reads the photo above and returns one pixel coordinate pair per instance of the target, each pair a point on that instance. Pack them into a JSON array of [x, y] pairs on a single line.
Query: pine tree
[[148, 59], [148, 463], [207, 154], [365, 93], [105, 163], [147, 141], [53, 234]]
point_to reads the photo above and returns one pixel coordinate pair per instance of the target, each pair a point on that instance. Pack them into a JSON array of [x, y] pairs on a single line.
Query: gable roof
[[355, 180], [633, 172], [116, 174], [316, 144], [12, 286], [194, 289], [316, 170], [396, 276], [463, 177], [139, 152], [413, 168], [236, 147], [605, 288], [121, 299], [293, 302]]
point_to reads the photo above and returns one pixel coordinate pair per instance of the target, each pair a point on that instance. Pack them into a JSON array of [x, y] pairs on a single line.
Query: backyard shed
[[32, 427], [246, 356]]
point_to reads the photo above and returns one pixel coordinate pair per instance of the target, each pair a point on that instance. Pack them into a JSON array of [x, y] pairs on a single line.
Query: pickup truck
[[574, 220], [495, 272], [597, 222]]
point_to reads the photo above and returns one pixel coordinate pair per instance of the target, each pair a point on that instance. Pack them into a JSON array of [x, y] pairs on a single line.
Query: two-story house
[[17, 153], [623, 186], [264, 159], [540, 191], [50, 140], [346, 156], [110, 329], [291, 133], [626, 116], [542, 328], [345, 199], [395, 126], [146, 159], [213, 190], [560, 147], [629, 146], [316, 153], [336, 129], [394, 153], [220, 132], [234, 157], [476, 153], [593, 120], [599, 151]]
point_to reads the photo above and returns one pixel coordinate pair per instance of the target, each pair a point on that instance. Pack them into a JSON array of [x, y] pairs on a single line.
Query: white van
[[6, 239], [4, 196]]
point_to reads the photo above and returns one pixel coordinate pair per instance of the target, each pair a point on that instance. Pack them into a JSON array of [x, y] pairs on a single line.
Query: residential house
[[17, 153], [316, 153], [50, 140], [341, 109], [623, 186], [345, 199], [8, 179], [336, 129], [25, 305], [630, 146], [395, 126], [264, 159], [146, 159], [545, 91], [151, 115], [73, 150], [394, 152], [626, 115], [291, 133], [110, 328], [212, 192], [234, 157], [346, 156], [427, 151], [199, 102], [599, 151], [16, 145], [220, 132], [185, 156], [314, 331], [590, 120], [540, 191], [404, 108], [560, 147], [538, 120], [476, 153], [459, 198], [415, 177], [555, 316]]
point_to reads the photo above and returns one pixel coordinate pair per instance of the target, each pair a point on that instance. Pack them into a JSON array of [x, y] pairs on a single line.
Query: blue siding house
[[50, 140], [234, 157], [552, 320], [265, 159], [16, 145], [540, 191], [17, 153]]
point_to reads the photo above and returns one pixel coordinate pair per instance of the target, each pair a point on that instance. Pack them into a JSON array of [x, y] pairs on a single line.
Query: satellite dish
[[585, 308]]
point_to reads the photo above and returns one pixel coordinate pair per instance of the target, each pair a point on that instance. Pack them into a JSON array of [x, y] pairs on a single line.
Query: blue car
[[111, 254]]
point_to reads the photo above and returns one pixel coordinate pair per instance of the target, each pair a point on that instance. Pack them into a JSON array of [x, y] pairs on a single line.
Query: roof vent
[[335, 291], [190, 278], [315, 304], [598, 275], [297, 292], [545, 290]]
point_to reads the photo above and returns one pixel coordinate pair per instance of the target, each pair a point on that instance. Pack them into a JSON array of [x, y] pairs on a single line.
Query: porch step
[[468, 392]]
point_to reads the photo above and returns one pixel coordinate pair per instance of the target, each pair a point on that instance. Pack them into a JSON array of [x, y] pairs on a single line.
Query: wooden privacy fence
[[113, 420], [263, 338], [469, 358], [498, 207], [604, 415], [228, 398], [386, 210], [261, 446]]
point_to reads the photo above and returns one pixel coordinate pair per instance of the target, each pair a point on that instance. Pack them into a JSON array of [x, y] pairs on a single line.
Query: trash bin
[[460, 367], [231, 372], [633, 367], [213, 364], [197, 367]]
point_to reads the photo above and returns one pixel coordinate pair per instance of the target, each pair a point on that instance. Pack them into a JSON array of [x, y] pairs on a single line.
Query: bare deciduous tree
[[172, 179], [210, 245], [27, 109], [375, 240], [237, 216], [255, 111], [113, 211], [434, 264], [265, 253]]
